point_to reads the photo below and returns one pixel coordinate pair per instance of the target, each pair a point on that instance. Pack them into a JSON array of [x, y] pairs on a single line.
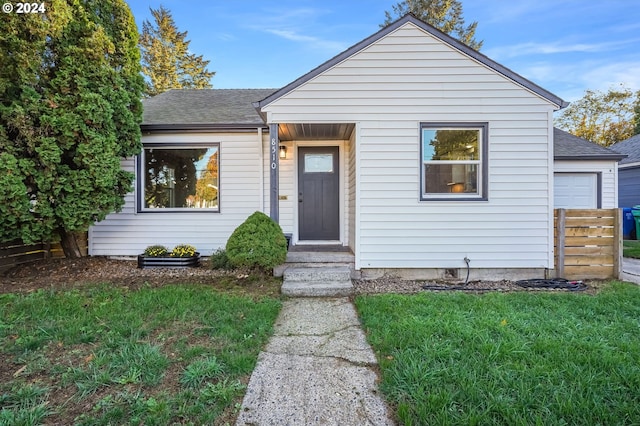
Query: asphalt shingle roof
[[569, 147], [204, 106], [629, 147], [227, 107]]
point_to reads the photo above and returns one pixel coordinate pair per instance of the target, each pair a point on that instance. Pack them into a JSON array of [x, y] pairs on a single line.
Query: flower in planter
[[183, 250], [156, 251]]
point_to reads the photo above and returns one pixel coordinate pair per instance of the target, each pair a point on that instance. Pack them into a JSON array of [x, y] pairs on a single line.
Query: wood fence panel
[[588, 243], [16, 252]]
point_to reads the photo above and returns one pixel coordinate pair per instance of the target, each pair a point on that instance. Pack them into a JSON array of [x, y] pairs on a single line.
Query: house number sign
[[273, 150], [274, 153]]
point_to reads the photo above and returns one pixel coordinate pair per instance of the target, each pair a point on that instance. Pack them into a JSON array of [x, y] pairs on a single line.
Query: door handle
[[300, 197]]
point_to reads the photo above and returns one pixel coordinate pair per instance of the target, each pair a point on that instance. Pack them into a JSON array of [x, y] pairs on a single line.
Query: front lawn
[[631, 248], [509, 358], [105, 355]]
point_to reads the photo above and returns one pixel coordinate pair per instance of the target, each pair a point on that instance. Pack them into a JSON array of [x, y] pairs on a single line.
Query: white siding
[[608, 171], [287, 188], [127, 233], [352, 231], [388, 88]]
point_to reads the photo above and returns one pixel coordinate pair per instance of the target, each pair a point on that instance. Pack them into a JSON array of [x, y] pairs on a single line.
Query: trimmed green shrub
[[257, 243], [219, 260]]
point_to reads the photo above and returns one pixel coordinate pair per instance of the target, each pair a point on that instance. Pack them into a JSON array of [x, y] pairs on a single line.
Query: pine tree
[[166, 60], [70, 109], [445, 15]]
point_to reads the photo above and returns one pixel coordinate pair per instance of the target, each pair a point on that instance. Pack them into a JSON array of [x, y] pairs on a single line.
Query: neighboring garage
[[629, 171], [585, 173]]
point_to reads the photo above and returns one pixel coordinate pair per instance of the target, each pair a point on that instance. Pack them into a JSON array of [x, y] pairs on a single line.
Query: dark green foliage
[[219, 260], [257, 242], [445, 15], [70, 109], [166, 59]]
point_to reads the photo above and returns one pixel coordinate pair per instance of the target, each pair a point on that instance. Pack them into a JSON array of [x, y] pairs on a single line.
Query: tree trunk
[[69, 243]]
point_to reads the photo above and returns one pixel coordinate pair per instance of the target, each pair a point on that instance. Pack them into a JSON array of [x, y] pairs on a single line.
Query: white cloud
[[527, 49], [311, 41], [301, 25], [570, 79]]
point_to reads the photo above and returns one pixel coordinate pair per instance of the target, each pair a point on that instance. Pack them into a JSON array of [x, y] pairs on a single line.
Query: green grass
[[509, 358], [631, 248], [175, 354]]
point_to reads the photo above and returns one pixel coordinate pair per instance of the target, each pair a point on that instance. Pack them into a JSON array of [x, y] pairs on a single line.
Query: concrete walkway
[[631, 270], [317, 369]]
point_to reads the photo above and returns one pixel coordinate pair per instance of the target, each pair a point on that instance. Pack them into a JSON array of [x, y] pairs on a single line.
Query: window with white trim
[[179, 178], [453, 161]]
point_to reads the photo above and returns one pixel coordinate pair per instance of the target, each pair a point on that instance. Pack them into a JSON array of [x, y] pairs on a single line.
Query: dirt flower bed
[[72, 273]]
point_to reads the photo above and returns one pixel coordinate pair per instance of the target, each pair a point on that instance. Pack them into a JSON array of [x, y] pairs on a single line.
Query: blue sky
[[565, 46]]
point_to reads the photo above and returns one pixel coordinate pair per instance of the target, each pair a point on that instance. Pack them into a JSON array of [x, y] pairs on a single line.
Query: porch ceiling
[[314, 131]]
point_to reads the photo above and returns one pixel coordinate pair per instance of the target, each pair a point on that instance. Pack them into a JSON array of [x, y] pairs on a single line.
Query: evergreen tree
[[445, 15], [70, 109], [166, 60]]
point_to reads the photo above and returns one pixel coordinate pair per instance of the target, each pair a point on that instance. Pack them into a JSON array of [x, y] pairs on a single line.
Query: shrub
[[219, 260], [183, 250], [257, 243], [156, 251]]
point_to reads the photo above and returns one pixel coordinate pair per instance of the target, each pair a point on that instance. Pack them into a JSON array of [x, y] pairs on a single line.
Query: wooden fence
[[588, 243], [17, 253]]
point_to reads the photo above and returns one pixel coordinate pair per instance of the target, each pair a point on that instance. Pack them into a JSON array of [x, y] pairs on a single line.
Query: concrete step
[[319, 257], [278, 271], [318, 273], [317, 281]]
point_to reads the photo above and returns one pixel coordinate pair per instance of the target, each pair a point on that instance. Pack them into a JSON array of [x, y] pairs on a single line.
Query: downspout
[[261, 168]]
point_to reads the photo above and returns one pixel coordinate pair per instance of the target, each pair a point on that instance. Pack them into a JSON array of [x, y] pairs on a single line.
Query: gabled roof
[[193, 109], [569, 147], [630, 147], [409, 18]]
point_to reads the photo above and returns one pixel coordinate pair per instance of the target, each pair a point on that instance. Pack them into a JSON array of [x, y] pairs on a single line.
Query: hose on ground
[[560, 283], [555, 283]]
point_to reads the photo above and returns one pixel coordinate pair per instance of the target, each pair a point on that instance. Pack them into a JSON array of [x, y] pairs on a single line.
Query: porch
[[312, 184]]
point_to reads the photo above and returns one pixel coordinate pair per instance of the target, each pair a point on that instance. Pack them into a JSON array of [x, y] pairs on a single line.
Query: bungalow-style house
[[628, 171], [409, 149]]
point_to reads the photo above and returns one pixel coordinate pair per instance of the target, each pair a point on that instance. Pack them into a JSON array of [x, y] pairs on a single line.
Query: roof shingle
[[204, 106], [570, 147], [629, 147]]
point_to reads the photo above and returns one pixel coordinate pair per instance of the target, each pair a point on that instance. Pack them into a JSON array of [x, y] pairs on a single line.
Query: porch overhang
[[298, 132], [314, 131]]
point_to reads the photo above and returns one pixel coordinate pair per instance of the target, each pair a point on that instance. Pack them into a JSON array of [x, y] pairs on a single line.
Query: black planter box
[[168, 262]]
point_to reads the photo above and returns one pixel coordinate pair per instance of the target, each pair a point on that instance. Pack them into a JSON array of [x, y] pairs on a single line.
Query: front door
[[318, 193]]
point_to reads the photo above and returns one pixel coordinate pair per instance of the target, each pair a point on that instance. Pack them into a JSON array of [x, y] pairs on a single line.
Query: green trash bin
[[635, 211]]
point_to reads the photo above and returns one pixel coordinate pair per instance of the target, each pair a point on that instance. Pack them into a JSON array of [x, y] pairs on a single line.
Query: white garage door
[[576, 190]]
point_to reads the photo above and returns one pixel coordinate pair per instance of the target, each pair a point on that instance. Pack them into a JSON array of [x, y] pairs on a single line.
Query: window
[[453, 161], [179, 178]]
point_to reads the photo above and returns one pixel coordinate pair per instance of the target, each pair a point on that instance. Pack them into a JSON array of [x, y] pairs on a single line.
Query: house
[[628, 171], [584, 173], [409, 148]]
